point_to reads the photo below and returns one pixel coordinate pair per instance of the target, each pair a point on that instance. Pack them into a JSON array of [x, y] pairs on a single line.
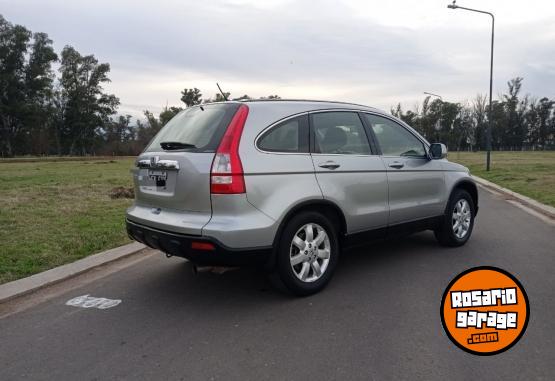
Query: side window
[[394, 139], [339, 133], [288, 136]]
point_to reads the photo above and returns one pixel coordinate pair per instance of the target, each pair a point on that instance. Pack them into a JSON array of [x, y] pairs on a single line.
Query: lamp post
[[438, 126], [488, 131]]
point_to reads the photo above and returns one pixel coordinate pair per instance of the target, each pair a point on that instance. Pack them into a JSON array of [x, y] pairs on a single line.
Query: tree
[[119, 135], [168, 113], [514, 128], [149, 128], [217, 98], [517, 122], [242, 98], [191, 97], [39, 79], [26, 80], [546, 123], [221, 98], [14, 43], [86, 107], [479, 113]]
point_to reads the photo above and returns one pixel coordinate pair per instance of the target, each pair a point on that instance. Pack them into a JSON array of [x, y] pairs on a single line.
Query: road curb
[[546, 210], [35, 282]]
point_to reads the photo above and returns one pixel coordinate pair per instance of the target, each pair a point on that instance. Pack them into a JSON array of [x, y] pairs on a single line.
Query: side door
[[278, 168], [349, 173], [416, 183]]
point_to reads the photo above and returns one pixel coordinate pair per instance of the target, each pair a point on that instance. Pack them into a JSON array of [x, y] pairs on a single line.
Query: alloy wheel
[[309, 252], [461, 218]]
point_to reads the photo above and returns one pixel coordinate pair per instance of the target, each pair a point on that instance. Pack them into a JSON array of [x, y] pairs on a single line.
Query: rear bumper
[[180, 245]]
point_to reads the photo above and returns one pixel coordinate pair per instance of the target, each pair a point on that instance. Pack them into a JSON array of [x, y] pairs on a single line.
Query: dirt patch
[[122, 192]]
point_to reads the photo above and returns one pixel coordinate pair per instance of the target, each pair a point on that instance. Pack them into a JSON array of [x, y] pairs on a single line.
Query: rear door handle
[[396, 165], [329, 165]]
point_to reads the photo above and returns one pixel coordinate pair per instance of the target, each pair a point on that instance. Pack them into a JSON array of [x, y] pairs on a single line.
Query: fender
[[307, 204], [469, 185]]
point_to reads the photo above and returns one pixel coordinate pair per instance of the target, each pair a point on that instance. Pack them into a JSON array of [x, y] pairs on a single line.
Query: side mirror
[[438, 151]]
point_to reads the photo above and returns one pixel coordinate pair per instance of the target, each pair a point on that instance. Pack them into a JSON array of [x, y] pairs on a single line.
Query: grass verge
[[55, 212], [529, 173]]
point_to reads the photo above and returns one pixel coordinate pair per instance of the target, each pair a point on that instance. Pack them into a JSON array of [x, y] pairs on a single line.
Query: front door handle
[[329, 165], [396, 165]]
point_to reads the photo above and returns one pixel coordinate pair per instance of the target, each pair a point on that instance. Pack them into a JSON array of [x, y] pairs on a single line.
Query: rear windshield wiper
[[168, 146]]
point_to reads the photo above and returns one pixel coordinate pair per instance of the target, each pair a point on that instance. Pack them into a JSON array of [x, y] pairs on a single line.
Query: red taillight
[[226, 176], [197, 245]]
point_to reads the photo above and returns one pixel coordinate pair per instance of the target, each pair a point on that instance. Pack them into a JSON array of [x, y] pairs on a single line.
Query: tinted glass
[[339, 133], [285, 137], [202, 127], [394, 139]]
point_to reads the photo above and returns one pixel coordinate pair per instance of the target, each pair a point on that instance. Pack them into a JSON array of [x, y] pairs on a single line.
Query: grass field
[[52, 213], [529, 173]]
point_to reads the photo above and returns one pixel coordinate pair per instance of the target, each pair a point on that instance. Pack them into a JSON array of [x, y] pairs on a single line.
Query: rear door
[[416, 183], [348, 172], [174, 170]]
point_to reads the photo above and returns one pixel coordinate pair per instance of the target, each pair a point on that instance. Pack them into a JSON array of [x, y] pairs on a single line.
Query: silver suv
[[288, 184]]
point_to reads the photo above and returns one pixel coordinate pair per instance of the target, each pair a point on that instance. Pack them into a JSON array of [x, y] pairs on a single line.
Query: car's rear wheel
[[307, 254], [456, 227]]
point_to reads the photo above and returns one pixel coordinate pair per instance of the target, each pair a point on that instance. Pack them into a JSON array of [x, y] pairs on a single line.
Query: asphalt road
[[378, 319]]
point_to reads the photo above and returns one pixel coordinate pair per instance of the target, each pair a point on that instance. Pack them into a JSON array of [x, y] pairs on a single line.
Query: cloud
[[373, 53]]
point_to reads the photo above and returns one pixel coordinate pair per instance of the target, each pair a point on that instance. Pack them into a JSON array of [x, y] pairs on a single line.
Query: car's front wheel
[[456, 227], [308, 253]]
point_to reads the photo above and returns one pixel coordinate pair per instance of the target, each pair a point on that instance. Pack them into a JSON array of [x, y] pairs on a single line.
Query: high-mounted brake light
[[226, 176]]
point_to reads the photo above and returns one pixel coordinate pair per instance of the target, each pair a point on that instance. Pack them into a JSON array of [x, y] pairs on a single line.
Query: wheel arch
[[325, 207], [469, 186]]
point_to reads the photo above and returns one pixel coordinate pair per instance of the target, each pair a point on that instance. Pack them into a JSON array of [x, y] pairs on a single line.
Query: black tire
[[445, 233], [284, 272]]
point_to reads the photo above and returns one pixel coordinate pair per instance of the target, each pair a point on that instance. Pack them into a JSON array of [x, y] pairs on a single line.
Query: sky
[[377, 53]]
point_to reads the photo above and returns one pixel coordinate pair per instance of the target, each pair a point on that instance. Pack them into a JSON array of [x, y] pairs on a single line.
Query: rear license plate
[[158, 175]]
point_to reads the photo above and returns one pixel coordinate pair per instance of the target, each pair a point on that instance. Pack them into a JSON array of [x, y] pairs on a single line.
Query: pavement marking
[[33, 283], [69, 285], [86, 301]]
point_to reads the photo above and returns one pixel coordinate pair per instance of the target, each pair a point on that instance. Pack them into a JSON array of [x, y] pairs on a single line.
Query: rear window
[[201, 126]]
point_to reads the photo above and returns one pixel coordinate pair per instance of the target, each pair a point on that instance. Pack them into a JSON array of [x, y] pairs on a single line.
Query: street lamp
[[438, 124], [488, 131]]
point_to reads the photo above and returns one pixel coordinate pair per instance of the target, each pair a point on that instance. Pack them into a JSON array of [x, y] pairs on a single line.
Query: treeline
[[45, 113], [518, 122], [146, 129], [67, 111]]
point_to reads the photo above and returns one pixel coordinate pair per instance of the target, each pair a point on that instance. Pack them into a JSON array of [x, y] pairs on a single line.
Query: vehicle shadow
[[177, 283]]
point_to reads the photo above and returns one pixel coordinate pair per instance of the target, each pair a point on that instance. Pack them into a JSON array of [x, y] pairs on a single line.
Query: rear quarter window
[[288, 136], [202, 126]]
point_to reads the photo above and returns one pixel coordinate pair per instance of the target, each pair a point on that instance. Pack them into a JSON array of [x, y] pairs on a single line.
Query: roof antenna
[[223, 94]]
